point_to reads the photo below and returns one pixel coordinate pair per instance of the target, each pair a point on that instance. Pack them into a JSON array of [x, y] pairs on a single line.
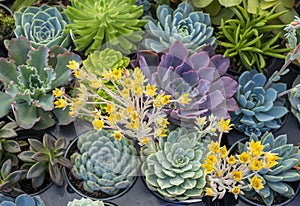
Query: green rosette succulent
[[174, 169], [21, 200], [103, 163], [114, 22], [192, 28], [42, 26], [276, 179], [29, 75]]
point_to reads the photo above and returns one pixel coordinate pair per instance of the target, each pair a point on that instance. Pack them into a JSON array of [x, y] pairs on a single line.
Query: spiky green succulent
[[21, 200], [174, 169], [103, 163], [85, 202], [111, 22], [29, 75], [42, 25], [46, 157], [276, 179]]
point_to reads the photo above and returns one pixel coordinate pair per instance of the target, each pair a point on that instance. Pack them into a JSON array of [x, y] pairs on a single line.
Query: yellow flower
[[150, 90], [256, 148], [231, 160], [162, 122], [128, 83], [73, 65], [271, 159], [111, 119], [209, 168], [145, 140], [129, 110], [160, 132], [118, 136], [57, 92], [201, 120], [183, 99], [110, 108], [138, 75], [124, 93], [79, 74], [162, 99], [224, 151], [96, 83], [211, 159], [106, 74], [134, 115], [219, 174], [236, 190], [137, 89], [60, 103], [256, 183], [224, 126], [133, 125], [96, 114], [118, 116], [97, 124], [256, 165], [209, 192], [116, 74], [244, 157], [214, 147], [237, 175]]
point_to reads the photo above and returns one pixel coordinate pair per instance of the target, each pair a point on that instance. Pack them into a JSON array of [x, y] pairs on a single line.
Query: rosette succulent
[[42, 26], [87, 202], [174, 169], [103, 163], [260, 109], [201, 75], [294, 98], [9, 178], [29, 75], [21, 200], [184, 24], [276, 179], [114, 22]]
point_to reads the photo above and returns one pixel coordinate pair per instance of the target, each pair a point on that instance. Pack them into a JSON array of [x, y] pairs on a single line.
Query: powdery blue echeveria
[[21, 200], [190, 27], [42, 26], [259, 108]]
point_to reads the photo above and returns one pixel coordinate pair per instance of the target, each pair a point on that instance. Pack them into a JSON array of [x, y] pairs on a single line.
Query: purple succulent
[[202, 75]]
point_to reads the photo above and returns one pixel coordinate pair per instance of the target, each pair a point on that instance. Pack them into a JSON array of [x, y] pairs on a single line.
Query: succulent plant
[[184, 24], [7, 22], [42, 26], [147, 6], [201, 75], [85, 202], [21, 200], [29, 75], [276, 178], [174, 169], [247, 39], [294, 98], [45, 157], [9, 179], [260, 109], [113, 22], [103, 163]]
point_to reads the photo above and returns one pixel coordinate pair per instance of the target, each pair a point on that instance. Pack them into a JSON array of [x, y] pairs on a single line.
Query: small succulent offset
[[276, 178], [85, 202], [113, 22], [45, 157], [21, 200], [260, 107], [247, 39], [42, 26], [184, 24], [29, 75], [201, 75], [9, 179], [174, 169], [103, 163]]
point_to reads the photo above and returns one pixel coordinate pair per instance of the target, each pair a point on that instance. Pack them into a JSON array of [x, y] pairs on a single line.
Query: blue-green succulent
[[294, 98], [21, 200], [260, 109], [29, 75], [42, 26], [192, 28]]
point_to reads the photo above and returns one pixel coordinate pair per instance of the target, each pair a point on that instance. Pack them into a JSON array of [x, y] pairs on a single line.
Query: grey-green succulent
[[104, 164], [85, 202], [294, 98], [9, 178], [29, 75], [276, 179], [174, 169], [21, 200], [42, 26]]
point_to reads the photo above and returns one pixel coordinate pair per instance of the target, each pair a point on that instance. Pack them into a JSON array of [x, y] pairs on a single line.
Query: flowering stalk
[[134, 107]]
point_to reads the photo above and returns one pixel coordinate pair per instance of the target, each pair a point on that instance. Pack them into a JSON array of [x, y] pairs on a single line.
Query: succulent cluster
[[184, 24], [42, 26], [29, 75], [46, 157], [113, 22], [174, 168], [260, 109], [201, 75], [103, 163], [276, 179], [21, 200]]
